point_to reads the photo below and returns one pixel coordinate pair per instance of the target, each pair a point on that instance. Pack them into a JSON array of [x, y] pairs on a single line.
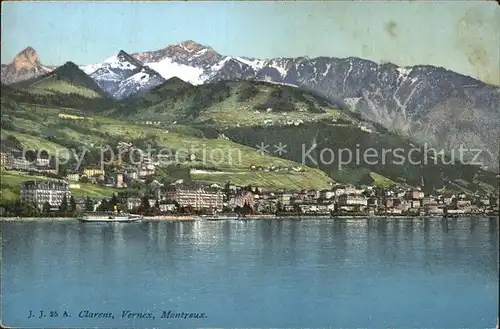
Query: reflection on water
[[340, 273]]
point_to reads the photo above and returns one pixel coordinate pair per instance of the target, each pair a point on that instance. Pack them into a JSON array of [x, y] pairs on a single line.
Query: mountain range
[[426, 103]]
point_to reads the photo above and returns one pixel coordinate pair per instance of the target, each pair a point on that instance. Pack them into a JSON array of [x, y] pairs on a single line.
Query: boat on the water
[[109, 217]]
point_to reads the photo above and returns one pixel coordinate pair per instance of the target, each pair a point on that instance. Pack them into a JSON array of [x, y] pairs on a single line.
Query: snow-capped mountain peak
[[190, 46], [255, 64], [188, 53], [168, 68], [122, 75], [120, 61]]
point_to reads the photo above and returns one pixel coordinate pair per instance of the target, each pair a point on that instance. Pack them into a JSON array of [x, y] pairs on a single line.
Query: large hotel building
[[39, 192], [197, 197]]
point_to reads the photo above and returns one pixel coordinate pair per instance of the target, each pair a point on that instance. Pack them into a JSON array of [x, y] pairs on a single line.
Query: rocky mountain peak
[[186, 49], [26, 59], [125, 57], [187, 52], [122, 53], [25, 65], [192, 53], [191, 45]]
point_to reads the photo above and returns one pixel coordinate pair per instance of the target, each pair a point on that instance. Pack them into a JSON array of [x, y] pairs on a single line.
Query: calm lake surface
[[372, 273]]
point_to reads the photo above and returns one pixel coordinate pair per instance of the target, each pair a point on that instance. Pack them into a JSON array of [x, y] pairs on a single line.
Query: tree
[[46, 208], [226, 187], [149, 179], [72, 205], [246, 210], [188, 209], [156, 208], [63, 207], [114, 200], [279, 206], [89, 205], [104, 206], [134, 185], [297, 209], [144, 206], [29, 210], [14, 208]]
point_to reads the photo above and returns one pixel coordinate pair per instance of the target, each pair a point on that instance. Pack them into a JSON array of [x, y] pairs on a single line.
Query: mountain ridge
[[402, 99], [157, 55], [415, 101], [62, 79]]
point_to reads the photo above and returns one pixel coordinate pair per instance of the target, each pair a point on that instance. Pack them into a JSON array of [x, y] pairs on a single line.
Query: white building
[[327, 194], [352, 200], [42, 162], [195, 196], [39, 192]]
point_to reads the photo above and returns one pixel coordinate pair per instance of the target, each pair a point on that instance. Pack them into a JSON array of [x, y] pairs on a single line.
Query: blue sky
[[463, 36]]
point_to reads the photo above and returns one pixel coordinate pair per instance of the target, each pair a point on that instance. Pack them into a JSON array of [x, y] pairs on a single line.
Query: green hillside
[[51, 99], [232, 118], [251, 113], [37, 126], [343, 152], [230, 103], [60, 86], [66, 79], [171, 87]]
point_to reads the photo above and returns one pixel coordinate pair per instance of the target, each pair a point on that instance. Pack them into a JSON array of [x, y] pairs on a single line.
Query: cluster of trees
[[66, 208], [246, 93], [245, 210], [17, 208], [111, 204], [280, 209], [145, 208]]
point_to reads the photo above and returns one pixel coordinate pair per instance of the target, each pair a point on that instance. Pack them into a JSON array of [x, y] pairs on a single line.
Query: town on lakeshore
[[56, 192]]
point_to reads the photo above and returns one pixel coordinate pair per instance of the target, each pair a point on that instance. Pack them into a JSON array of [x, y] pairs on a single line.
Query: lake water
[[421, 273]]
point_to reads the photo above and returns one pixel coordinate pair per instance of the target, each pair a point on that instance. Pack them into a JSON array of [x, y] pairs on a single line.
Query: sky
[[459, 35]]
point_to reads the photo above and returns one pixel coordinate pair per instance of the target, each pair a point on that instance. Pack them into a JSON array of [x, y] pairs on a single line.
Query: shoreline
[[260, 217]]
